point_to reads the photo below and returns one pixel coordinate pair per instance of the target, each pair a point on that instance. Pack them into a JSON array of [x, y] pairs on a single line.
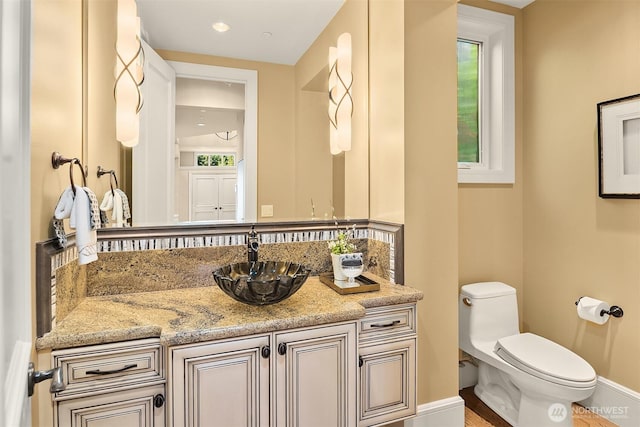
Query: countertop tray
[[364, 284]]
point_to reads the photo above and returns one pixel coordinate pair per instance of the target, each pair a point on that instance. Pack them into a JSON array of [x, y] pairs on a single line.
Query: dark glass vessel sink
[[262, 282]]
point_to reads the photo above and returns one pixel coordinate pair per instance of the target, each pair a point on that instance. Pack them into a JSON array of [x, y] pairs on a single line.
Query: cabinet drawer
[[95, 369], [388, 322]]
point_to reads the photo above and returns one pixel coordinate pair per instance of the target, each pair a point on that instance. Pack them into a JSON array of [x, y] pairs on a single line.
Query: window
[[468, 101], [215, 160], [486, 96]]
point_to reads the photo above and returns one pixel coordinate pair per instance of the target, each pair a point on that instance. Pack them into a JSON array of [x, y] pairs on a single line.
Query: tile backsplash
[[146, 263]]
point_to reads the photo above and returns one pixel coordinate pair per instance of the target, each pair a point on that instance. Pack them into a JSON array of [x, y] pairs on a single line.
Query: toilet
[[528, 380]]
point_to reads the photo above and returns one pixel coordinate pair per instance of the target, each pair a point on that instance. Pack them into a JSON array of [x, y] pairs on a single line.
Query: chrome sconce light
[[129, 73], [340, 99]]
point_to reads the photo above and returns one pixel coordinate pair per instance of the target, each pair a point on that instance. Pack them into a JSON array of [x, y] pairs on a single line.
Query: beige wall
[[56, 114], [491, 216], [430, 182], [386, 115], [56, 109], [576, 55], [102, 149]]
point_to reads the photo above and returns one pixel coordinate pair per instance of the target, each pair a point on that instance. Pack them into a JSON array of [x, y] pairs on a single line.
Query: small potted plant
[[340, 247]]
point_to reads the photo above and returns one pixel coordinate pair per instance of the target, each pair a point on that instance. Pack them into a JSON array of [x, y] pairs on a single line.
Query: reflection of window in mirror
[[208, 160]]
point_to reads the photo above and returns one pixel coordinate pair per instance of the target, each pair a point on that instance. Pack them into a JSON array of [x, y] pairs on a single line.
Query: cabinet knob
[[265, 351], [360, 361], [158, 400], [282, 349]]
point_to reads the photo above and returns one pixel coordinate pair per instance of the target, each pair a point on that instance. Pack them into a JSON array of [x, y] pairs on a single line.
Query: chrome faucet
[[252, 245]]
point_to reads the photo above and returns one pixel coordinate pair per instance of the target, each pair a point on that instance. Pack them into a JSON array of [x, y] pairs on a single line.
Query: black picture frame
[[613, 182]]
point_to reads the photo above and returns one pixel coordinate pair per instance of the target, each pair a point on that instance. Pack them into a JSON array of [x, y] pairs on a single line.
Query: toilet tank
[[487, 311]]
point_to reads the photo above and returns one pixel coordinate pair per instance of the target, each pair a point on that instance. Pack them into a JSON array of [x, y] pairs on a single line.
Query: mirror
[[297, 178]]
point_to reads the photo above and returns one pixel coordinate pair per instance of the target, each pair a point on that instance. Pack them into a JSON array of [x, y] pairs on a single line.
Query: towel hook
[[76, 161], [112, 178], [115, 178], [58, 160]]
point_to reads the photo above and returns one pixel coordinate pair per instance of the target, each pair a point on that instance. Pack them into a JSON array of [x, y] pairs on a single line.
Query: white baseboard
[[447, 412], [615, 402]]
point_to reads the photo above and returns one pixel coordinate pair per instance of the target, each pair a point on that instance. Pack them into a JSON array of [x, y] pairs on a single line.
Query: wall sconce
[[129, 73], [340, 100]]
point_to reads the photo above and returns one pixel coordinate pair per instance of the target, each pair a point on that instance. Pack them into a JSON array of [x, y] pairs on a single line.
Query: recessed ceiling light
[[221, 27], [267, 34], [201, 124]]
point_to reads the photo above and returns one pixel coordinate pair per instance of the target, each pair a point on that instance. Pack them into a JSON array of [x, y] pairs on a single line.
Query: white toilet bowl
[[528, 380]]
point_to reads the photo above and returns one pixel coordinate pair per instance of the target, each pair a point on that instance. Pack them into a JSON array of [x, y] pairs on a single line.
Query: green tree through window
[[468, 102]]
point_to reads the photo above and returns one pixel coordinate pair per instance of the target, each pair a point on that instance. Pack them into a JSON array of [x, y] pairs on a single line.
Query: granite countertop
[[183, 316]]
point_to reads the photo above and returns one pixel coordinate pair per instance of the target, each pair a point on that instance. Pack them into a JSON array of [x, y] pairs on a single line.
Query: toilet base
[[543, 412], [496, 389]]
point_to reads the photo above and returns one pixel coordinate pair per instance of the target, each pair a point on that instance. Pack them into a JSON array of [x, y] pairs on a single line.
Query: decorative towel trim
[[126, 211], [61, 235], [94, 208]]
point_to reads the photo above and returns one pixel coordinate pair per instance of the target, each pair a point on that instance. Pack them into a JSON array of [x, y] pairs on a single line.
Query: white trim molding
[[615, 402], [447, 412]]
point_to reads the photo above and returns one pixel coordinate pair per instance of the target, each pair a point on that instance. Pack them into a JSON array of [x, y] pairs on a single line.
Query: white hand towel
[[80, 219], [61, 212], [113, 202], [107, 202], [65, 203], [78, 210]]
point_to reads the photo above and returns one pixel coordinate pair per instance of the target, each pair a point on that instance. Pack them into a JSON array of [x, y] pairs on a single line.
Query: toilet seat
[[545, 359]]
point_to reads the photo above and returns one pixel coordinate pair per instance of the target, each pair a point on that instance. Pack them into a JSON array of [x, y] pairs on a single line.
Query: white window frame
[[495, 31]]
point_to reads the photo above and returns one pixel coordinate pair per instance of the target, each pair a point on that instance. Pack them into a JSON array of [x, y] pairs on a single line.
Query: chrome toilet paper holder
[[614, 310]]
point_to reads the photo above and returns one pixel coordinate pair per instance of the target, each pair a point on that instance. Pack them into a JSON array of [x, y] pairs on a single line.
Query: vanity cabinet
[[304, 377], [119, 385], [223, 383], [316, 377], [387, 360]]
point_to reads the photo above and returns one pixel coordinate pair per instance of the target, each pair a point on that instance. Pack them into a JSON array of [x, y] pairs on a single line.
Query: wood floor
[[477, 414]]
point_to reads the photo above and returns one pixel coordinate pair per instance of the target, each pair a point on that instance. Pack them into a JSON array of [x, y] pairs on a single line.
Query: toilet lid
[[545, 359]]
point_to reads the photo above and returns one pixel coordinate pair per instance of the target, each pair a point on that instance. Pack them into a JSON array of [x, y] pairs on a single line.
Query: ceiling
[[515, 3], [276, 31]]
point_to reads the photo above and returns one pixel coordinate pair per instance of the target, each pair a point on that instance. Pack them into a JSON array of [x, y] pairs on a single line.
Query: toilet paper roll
[[590, 308]]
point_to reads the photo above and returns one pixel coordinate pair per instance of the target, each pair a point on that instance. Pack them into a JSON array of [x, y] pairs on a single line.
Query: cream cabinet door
[[223, 383], [142, 407], [387, 382], [316, 377]]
